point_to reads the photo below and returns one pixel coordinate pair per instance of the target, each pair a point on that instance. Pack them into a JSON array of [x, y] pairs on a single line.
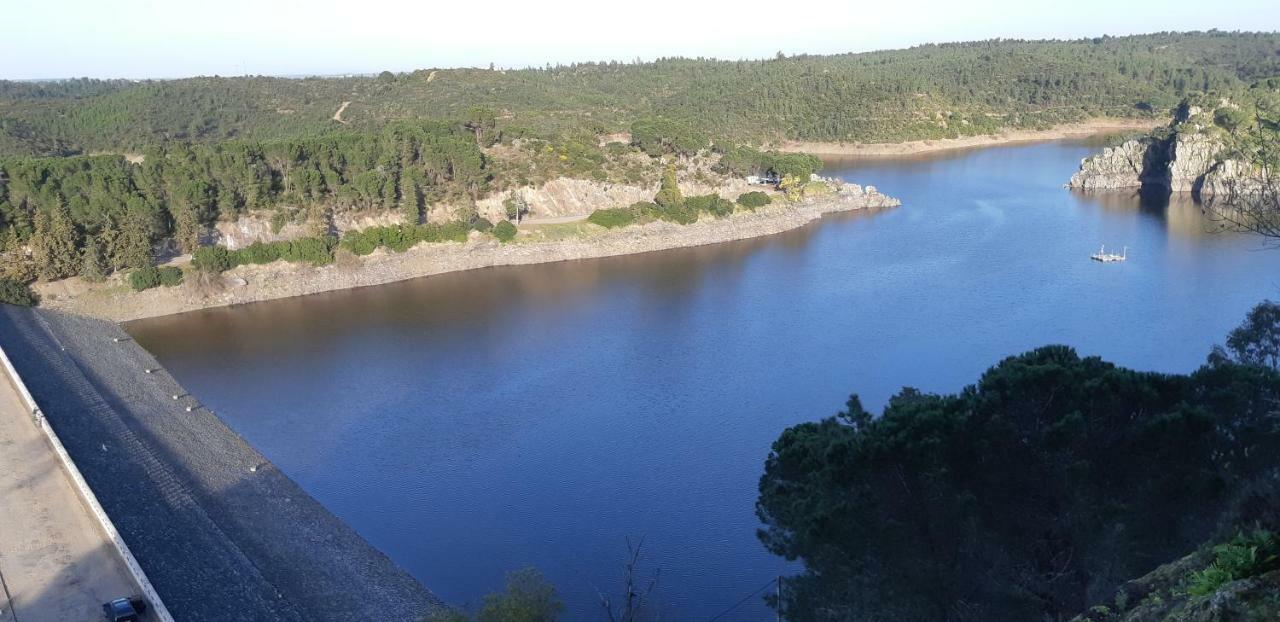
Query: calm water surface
[[475, 423]]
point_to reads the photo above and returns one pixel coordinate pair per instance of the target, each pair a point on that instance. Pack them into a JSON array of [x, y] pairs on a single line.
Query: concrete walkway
[[56, 564]]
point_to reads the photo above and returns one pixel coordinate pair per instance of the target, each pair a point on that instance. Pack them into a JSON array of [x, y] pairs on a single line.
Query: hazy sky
[[172, 38]]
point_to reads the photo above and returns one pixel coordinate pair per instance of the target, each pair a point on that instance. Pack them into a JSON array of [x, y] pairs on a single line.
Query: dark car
[[124, 609]]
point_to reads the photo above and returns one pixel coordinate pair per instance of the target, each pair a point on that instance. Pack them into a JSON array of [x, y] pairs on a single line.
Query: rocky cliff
[[1161, 596], [1187, 157], [1183, 162], [558, 198]]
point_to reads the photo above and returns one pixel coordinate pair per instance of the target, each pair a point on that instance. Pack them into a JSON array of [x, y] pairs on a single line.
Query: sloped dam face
[[475, 423]]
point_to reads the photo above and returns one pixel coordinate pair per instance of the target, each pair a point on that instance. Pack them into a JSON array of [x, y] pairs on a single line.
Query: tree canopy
[[928, 91], [1029, 495]]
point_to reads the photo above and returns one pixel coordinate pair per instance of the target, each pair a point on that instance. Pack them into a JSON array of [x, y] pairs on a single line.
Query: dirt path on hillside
[[337, 116]]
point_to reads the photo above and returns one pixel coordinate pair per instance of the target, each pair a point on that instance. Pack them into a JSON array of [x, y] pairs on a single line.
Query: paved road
[[56, 564]]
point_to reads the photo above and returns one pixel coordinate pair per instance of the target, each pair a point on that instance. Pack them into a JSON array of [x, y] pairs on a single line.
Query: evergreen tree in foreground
[[54, 244]]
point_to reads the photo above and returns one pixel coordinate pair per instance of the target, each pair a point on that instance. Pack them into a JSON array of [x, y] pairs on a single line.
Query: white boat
[[1105, 257]]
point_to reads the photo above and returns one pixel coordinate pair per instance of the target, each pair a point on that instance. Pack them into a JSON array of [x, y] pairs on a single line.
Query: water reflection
[[1179, 213], [471, 423], [445, 302]]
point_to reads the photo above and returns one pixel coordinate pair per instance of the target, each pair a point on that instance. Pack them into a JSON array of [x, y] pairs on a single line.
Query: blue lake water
[[474, 423]]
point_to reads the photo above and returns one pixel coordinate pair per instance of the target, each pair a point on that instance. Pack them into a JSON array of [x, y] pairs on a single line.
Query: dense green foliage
[[711, 204], [1029, 495], [13, 292], [670, 205], [178, 187], [744, 160], [314, 251], [1246, 555], [613, 217], [62, 206], [151, 276], [752, 200], [504, 231], [1256, 341], [400, 238], [930, 91]]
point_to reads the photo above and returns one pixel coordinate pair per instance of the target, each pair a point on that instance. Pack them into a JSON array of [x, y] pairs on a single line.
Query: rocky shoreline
[[1184, 157], [1180, 163], [114, 301]]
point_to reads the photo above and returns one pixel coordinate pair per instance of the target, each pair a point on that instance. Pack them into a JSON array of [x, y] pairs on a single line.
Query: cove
[[472, 423]]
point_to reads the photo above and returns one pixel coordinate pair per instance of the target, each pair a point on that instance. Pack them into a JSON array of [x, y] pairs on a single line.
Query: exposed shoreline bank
[[1092, 127], [245, 284]]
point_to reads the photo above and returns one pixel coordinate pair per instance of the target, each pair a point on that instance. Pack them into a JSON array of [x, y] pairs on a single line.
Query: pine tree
[[186, 230], [93, 266], [15, 261], [131, 249], [54, 244], [108, 239], [410, 197]]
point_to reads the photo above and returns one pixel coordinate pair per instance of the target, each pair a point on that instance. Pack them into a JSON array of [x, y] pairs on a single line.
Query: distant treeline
[[179, 189], [929, 91]]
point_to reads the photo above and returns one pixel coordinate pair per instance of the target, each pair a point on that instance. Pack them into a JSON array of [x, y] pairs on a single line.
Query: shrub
[[259, 253], [170, 276], [646, 208], [315, 251], [455, 231], [504, 231], [710, 203], [213, 259], [362, 242], [610, 218], [679, 214], [754, 199], [1244, 556], [151, 276], [482, 225], [145, 278], [14, 292], [399, 239]]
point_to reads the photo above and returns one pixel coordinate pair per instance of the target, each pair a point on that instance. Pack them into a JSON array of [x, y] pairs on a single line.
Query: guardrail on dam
[[157, 608]]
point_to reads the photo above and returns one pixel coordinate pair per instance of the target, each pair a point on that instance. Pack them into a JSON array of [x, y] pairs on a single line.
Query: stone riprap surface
[[220, 532], [56, 562]]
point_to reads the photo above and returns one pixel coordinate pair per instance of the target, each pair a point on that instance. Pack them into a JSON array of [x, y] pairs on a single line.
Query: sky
[[177, 38]]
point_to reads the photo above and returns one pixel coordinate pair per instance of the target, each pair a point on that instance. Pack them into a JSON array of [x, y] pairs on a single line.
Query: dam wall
[[221, 533]]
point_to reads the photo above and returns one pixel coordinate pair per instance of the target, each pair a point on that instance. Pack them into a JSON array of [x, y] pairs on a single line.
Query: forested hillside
[[94, 174], [929, 91]]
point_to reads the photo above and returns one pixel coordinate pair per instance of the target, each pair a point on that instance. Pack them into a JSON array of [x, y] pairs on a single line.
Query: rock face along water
[[473, 423]]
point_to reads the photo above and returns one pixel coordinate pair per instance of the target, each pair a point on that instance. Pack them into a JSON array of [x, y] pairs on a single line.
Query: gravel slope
[[221, 533]]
